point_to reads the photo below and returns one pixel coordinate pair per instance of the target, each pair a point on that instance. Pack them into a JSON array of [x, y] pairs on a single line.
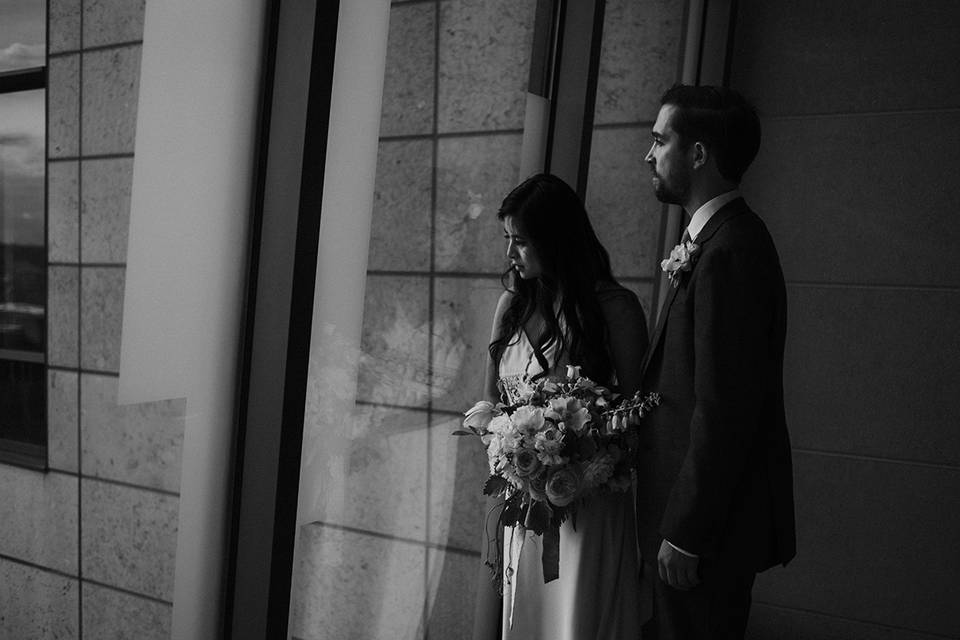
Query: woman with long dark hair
[[562, 305]]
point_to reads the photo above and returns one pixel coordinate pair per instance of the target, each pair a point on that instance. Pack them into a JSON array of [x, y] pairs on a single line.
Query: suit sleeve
[[732, 323]]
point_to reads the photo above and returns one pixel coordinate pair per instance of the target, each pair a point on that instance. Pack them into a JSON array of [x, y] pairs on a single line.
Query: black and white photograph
[[479, 320]]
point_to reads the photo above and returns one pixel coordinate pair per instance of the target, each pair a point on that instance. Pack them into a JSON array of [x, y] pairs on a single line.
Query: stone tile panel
[[112, 21], [795, 57], [129, 538], [37, 605], [395, 341], [39, 516], [120, 616], [63, 211], [408, 83], [463, 317], [862, 376], [474, 175], [485, 48], [105, 210], [350, 585], [139, 444], [63, 290], [768, 621], [111, 84], [838, 219], [453, 583], [63, 106], [400, 234], [639, 57], [620, 201], [62, 419], [374, 469], [101, 316], [458, 469], [877, 543], [64, 31]]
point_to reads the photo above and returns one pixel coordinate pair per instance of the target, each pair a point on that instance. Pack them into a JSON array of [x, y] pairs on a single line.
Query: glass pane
[[392, 547], [22, 238], [638, 62], [23, 29], [21, 402]]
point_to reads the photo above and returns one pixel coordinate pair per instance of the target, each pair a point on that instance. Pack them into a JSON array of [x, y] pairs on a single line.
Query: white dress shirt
[[702, 215]]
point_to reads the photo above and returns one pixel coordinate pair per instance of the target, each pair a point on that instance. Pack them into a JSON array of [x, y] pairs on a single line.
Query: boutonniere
[[681, 259]]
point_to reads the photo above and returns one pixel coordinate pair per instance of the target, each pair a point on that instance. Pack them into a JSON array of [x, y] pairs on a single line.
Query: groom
[[715, 497]]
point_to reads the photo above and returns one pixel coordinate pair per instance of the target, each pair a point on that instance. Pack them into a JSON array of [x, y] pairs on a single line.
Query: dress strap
[[535, 351]]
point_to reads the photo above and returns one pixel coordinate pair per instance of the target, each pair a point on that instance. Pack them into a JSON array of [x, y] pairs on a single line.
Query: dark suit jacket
[[715, 475]]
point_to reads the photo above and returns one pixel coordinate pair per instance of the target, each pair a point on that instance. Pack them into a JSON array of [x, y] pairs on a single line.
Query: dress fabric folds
[[598, 595]]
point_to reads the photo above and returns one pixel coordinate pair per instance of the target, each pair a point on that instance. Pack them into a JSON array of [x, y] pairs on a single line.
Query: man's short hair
[[722, 119]]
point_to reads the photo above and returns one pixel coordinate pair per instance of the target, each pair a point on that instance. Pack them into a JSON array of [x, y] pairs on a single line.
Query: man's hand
[[676, 569]]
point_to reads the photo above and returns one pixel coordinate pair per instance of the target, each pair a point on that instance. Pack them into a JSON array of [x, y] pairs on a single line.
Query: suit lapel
[[661, 321], [729, 210]]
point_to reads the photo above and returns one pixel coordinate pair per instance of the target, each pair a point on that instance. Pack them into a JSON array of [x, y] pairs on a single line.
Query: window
[[23, 251]]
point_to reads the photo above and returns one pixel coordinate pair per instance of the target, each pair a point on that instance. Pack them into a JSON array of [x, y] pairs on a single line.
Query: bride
[[563, 306]]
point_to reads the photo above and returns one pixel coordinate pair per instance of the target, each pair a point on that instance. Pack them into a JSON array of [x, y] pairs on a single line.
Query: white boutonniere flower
[[681, 259]]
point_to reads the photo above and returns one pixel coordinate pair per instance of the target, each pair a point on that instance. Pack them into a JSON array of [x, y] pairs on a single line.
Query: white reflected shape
[[193, 167], [346, 211]]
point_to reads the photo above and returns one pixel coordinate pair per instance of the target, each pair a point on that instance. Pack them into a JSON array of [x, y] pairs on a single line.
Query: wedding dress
[[598, 593]]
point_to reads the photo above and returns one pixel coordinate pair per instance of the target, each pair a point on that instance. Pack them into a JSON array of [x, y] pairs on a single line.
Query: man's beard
[[673, 193]]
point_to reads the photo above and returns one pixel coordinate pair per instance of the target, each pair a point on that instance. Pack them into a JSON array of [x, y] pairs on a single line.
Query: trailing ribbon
[[540, 520], [551, 554], [513, 547]]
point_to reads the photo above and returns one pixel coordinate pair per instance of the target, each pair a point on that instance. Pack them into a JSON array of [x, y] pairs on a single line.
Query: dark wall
[[858, 179]]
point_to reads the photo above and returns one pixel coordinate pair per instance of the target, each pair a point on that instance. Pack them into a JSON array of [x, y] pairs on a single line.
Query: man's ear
[[700, 155]]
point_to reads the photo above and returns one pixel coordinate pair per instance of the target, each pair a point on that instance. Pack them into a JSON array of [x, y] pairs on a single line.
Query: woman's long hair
[[553, 219]]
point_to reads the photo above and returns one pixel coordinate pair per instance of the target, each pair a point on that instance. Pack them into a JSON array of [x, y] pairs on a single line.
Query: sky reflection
[[22, 118]]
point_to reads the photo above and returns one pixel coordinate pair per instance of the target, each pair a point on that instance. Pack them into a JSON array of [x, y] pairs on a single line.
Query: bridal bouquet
[[561, 442]]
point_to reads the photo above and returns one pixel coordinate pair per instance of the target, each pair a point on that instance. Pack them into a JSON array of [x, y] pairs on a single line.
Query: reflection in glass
[[638, 62], [21, 404], [390, 535], [22, 249], [22, 34]]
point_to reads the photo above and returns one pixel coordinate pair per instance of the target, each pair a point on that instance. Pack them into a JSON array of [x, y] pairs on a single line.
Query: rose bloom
[[682, 253], [500, 424], [511, 441], [527, 420], [538, 485], [548, 445], [620, 482], [680, 258], [511, 476], [563, 485], [526, 462], [598, 470]]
